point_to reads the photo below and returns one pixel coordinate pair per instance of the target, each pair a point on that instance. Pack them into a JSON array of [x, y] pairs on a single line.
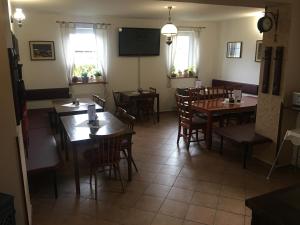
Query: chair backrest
[[99, 101], [152, 89], [184, 109], [197, 94], [125, 117], [116, 96], [106, 149]]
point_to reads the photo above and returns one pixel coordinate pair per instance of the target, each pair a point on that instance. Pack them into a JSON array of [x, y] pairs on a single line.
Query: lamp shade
[[19, 15], [169, 29]]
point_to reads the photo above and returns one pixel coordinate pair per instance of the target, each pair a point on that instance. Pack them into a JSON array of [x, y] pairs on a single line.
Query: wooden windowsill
[[182, 77], [90, 82]]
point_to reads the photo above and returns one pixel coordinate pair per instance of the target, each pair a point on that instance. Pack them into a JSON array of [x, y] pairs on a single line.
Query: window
[[184, 54], [84, 52]]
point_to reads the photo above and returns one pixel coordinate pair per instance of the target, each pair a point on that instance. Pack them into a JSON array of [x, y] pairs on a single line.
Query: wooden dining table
[[220, 106], [64, 107], [133, 96], [78, 132]]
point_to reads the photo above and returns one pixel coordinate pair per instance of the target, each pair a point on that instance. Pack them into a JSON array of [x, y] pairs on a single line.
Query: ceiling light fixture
[[19, 16], [169, 29]]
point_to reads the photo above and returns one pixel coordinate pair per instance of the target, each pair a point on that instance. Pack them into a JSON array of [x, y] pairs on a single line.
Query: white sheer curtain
[[186, 59], [66, 29], [195, 52], [102, 39], [171, 53]]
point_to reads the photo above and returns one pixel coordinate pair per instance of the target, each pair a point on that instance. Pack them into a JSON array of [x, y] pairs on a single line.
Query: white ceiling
[[148, 9]]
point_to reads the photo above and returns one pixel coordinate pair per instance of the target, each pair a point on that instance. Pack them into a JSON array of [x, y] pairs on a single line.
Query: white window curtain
[[194, 50], [102, 38], [66, 29]]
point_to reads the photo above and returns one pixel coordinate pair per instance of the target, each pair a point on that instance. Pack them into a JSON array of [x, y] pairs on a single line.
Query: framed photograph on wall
[[42, 50], [234, 49], [259, 51]]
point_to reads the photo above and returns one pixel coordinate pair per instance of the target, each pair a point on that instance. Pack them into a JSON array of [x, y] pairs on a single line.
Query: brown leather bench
[[42, 154], [244, 135]]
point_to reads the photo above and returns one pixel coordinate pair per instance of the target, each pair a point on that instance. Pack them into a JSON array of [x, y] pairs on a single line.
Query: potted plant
[[173, 73], [191, 72], [75, 79], [186, 73], [84, 77], [98, 75]]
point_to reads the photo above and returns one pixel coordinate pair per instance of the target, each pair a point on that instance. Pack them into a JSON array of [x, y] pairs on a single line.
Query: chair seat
[[197, 123]]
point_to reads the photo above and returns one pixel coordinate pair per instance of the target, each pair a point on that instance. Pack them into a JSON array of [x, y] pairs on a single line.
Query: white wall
[[122, 72], [243, 69]]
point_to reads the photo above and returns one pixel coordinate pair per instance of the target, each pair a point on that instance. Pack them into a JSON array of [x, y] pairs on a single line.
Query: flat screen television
[[139, 41]]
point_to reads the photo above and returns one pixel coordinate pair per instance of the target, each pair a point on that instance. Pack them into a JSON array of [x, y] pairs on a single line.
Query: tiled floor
[[173, 186]]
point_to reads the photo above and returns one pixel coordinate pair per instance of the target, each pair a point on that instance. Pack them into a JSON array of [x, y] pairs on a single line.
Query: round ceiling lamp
[[169, 29]]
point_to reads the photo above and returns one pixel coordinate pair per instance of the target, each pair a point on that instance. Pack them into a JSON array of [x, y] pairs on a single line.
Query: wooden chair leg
[[221, 145], [119, 172], [91, 175], [55, 184], [95, 174], [189, 138], [178, 135], [246, 150], [132, 160]]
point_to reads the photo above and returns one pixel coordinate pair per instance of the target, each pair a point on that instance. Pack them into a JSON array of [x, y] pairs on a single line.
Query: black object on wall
[[16, 79], [266, 72], [7, 211], [277, 70]]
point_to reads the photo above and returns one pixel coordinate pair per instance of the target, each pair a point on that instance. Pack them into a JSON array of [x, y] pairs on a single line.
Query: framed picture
[[259, 51], [234, 49], [42, 50]]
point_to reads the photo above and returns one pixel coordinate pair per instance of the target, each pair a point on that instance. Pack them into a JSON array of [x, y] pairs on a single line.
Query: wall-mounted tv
[[139, 41]]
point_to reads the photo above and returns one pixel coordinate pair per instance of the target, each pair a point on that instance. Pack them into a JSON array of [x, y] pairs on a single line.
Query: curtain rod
[[191, 27], [108, 24]]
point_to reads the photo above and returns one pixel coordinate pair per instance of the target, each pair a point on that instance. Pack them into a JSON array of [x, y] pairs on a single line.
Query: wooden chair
[[145, 104], [106, 153], [118, 102], [188, 124], [127, 142], [99, 101]]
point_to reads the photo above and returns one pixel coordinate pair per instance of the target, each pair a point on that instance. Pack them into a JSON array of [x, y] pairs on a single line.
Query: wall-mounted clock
[[265, 24]]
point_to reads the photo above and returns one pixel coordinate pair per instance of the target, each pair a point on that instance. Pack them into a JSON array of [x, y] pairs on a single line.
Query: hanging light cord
[[170, 8]]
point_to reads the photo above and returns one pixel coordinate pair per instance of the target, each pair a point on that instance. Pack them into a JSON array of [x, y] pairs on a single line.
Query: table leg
[[129, 163], [157, 108], [61, 134], [76, 169], [209, 131]]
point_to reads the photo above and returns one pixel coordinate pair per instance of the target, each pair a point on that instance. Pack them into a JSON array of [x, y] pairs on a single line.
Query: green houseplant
[[84, 77], [98, 75]]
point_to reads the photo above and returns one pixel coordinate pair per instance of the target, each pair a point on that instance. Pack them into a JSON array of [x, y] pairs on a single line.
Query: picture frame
[[42, 50], [234, 49], [259, 51]]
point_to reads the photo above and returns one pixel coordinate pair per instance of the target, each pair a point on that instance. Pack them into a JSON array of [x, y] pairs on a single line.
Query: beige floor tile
[[247, 220], [205, 199], [166, 220], [232, 205], [174, 208], [233, 192], [149, 203], [180, 194], [170, 170], [186, 183], [138, 217], [157, 190], [225, 218], [164, 179], [201, 214], [208, 187], [187, 222]]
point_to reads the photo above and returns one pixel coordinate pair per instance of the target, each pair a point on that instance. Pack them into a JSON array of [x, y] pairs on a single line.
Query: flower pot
[[75, 79], [85, 79]]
